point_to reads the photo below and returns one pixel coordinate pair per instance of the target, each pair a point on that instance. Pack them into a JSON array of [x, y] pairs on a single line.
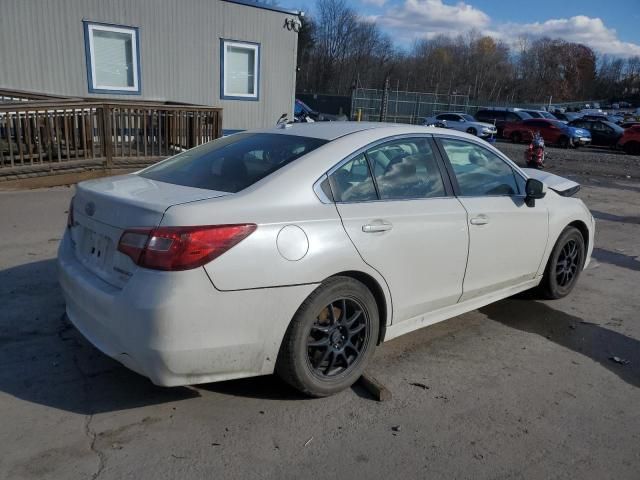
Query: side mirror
[[534, 190]]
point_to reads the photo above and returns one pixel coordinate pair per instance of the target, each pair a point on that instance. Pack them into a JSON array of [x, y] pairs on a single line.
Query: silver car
[[299, 249], [464, 123]]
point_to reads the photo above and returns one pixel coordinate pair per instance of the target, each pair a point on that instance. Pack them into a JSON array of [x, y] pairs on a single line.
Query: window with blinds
[[240, 70], [112, 58]]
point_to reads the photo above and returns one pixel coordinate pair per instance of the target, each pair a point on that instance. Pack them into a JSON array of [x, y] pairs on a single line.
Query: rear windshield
[[232, 163]]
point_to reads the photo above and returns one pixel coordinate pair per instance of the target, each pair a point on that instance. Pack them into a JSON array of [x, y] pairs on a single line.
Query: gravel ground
[[519, 389], [589, 162]]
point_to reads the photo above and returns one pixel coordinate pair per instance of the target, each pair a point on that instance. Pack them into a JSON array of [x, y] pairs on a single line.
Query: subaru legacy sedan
[[299, 249]]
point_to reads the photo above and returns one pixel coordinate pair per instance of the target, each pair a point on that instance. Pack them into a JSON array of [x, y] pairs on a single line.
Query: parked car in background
[[630, 140], [603, 133], [630, 123], [302, 110], [591, 111], [567, 116], [617, 119], [552, 131], [464, 123], [541, 114], [501, 117]]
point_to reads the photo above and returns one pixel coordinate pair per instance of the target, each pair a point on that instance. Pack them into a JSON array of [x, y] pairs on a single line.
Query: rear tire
[[564, 265], [331, 338]]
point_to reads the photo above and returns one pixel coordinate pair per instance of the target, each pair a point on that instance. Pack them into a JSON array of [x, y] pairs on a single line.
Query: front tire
[[330, 339], [516, 137], [472, 131], [564, 265]]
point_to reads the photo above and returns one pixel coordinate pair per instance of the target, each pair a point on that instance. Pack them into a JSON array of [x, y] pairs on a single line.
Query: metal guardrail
[[55, 132]]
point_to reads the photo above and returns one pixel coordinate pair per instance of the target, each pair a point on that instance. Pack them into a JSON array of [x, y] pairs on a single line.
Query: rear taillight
[[181, 248], [70, 214]]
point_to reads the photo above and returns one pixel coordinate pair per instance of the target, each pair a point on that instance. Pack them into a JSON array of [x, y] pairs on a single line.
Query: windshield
[[548, 115], [232, 163], [557, 123]]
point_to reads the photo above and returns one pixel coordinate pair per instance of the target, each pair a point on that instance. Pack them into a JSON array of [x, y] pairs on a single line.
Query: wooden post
[[106, 136]]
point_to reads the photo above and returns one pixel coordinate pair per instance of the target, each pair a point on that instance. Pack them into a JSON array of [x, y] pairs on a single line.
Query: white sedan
[[464, 123], [299, 249]]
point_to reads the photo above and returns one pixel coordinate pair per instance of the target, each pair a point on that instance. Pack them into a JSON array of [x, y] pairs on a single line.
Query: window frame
[[322, 195], [92, 85], [452, 174], [224, 42]]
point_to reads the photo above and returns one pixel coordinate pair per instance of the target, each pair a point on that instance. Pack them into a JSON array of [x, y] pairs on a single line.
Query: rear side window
[[352, 182], [406, 169], [232, 163]]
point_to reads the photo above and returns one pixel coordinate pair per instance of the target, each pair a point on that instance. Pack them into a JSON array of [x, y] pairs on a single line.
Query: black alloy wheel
[[331, 338], [565, 264], [337, 337]]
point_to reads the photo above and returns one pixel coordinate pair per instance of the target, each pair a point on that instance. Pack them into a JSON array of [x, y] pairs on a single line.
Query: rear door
[[506, 237], [404, 221]]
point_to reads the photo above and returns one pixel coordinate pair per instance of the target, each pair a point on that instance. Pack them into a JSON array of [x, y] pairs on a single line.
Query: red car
[[630, 140], [553, 131]]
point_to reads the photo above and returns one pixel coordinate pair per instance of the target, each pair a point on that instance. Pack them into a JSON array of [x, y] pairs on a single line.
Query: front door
[[507, 239], [404, 223]]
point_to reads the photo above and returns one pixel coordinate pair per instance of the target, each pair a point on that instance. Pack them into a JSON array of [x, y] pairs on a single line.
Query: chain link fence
[[403, 107], [396, 106]]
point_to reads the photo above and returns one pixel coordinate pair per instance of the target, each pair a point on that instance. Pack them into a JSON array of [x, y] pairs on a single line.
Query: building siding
[[42, 50]]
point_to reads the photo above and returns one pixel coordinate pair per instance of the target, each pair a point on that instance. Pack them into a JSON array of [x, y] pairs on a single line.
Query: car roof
[[333, 130]]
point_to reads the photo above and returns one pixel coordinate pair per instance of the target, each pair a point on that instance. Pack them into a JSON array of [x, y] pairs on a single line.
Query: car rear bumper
[[175, 327]]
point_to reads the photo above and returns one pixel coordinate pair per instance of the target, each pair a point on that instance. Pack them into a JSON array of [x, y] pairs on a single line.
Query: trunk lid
[[103, 209]]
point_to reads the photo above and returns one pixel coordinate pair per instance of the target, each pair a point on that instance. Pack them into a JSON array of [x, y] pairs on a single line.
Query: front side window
[[240, 70], [448, 117], [479, 172], [406, 169], [232, 163], [112, 58]]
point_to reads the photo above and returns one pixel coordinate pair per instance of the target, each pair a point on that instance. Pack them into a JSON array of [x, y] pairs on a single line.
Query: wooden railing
[[12, 96], [52, 133]]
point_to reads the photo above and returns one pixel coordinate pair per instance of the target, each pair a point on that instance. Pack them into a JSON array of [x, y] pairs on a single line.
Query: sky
[[608, 26]]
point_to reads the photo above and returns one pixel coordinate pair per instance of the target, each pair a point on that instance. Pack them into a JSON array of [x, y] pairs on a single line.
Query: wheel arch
[[383, 303], [584, 231]]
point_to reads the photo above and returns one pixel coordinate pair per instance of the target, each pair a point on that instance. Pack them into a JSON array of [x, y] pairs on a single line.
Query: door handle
[[376, 227], [479, 220]]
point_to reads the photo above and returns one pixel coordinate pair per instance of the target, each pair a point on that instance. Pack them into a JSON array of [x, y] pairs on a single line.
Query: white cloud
[[428, 18], [415, 19], [581, 29], [375, 3]]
